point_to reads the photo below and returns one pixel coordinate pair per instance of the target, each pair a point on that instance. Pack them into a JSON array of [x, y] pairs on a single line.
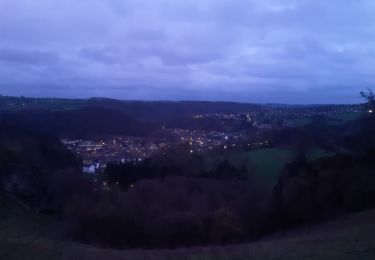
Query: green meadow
[[264, 165]]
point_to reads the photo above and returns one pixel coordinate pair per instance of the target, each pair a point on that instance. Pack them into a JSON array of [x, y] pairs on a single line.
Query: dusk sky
[[290, 51]]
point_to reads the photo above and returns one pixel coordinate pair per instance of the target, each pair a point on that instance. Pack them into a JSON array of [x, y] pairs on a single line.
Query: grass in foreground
[[347, 238]]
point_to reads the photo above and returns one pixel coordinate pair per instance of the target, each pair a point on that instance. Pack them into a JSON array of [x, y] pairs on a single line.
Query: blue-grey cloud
[[28, 57], [244, 50]]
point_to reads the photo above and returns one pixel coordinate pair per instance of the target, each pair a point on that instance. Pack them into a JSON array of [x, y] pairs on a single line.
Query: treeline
[[176, 211], [309, 192], [194, 211], [100, 116], [173, 164], [31, 164], [84, 122]]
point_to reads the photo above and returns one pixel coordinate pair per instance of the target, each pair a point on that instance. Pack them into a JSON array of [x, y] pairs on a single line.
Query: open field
[[334, 119], [300, 122], [318, 153], [17, 104], [264, 164], [339, 119]]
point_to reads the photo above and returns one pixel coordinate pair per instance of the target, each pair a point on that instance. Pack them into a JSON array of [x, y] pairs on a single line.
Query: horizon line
[[181, 100]]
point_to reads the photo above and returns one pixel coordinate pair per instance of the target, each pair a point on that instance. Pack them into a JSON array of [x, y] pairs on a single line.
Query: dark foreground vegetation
[[173, 201], [190, 211], [346, 238]]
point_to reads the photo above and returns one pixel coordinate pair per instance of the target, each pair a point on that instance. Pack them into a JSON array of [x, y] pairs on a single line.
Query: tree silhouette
[[369, 97]]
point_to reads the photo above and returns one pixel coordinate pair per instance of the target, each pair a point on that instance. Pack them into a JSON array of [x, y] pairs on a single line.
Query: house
[[91, 169]]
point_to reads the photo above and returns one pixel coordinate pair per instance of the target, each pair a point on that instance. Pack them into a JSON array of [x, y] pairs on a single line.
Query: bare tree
[[369, 96]]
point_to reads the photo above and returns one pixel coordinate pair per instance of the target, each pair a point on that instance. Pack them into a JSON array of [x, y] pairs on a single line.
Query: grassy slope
[[300, 122], [263, 164], [335, 119], [339, 119], [350, 237]]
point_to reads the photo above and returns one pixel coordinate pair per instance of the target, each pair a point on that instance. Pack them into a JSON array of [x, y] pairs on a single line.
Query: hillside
[[100, 116], [349, 237]]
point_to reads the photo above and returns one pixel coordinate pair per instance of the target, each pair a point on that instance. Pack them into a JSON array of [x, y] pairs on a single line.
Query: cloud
[[34, 57], [211, 49]]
